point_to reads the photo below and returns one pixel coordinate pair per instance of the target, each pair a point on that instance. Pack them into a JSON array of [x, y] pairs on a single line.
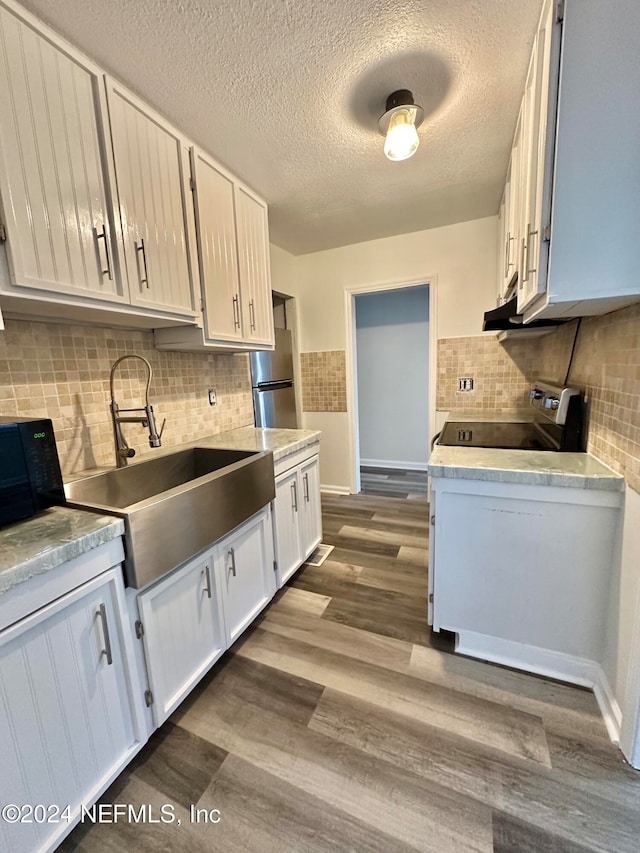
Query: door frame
[[350, 293]]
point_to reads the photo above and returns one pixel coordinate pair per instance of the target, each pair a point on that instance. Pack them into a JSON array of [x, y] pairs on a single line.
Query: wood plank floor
[[339, 722]]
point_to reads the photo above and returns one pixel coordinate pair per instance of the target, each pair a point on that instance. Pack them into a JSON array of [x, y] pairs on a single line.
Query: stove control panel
[[552, 400]]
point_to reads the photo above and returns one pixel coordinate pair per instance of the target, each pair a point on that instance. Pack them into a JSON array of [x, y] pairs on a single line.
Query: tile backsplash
[[324, 381], [62, 372], [606, 365]]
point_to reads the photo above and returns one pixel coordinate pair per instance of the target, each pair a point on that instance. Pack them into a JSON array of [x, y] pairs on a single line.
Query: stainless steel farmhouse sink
[[175, 505]]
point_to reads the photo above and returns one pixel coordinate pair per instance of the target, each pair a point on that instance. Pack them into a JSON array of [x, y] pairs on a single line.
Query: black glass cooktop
[[509, 436]]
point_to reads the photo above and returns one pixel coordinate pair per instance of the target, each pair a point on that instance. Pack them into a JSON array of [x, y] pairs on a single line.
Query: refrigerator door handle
[[274, 386]]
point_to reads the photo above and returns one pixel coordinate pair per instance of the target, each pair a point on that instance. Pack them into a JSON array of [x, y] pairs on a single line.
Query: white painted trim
[[335, 490], [389, 463], [556, 665], [350, 293], [563, 667], [630, 728], [608, 704]]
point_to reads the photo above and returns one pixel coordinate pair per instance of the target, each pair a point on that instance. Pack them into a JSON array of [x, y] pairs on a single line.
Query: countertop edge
[[107, 528], [602, 478]]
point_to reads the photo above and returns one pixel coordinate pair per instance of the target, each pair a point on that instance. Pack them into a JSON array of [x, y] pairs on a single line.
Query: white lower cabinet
[[67, 709], [245, 567], [286, 525], [310, 509], [183, 632], [522, 573], [297, 516]]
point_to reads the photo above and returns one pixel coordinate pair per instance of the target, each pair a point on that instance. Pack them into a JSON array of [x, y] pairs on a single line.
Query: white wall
[[459, 259], [392, 334], [283, 271]]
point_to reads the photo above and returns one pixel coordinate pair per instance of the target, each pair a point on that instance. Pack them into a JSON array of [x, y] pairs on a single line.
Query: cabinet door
[[502, 244], [286, 524], [432, 561], [539, 113], [149, 169], [68, 725], [514, 210], [246, 572], [217, 249], [183, 632], [53, 170], [255, 277], [311, 510]]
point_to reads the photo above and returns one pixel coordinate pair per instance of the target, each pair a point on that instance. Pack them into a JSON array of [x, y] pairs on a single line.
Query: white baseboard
[[386, 463], [335, 490], [557, 665], [563, 667], [608, 704]]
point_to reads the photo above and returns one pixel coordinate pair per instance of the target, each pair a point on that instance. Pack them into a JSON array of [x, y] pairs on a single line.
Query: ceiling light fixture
[[399, 125]]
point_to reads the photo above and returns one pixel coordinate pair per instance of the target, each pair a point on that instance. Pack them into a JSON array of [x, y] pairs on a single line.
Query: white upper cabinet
[[255, 277], [579, 206], [535, 203], [151, 192], [233, 255], [217, 248], [54, 172], [509, 222]]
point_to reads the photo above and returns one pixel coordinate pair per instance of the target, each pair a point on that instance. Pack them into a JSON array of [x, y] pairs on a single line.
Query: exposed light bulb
[[402, 139]]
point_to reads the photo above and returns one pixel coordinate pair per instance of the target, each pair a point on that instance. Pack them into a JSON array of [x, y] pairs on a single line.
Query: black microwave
[[30, 476]]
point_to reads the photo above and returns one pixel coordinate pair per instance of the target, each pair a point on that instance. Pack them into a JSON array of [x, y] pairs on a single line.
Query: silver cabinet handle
[[305, 479], [143, 279], [232, 567], [98, 237], [294, 497], [236, 312], [523, 272], [207, 576], [252, 315], [530, 234], [102, 613]]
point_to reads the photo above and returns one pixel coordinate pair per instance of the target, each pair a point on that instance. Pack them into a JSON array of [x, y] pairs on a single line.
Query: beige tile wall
[[62, 372], [324, 381], [499, 374], [606, 365]]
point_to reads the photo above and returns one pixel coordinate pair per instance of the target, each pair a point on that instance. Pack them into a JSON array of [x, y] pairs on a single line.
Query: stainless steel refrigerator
[[274, 398]]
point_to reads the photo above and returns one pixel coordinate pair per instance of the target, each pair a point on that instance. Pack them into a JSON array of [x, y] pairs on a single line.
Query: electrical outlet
[[213, 397], [465, 383]]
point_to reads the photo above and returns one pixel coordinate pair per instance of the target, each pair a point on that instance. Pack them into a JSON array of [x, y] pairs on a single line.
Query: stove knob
[[551, 403]]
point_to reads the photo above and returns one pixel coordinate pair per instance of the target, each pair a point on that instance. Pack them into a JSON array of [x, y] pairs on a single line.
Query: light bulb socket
[[401, 99]]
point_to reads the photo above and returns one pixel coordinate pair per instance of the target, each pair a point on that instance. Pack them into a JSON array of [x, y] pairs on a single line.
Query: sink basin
[[176, 505]]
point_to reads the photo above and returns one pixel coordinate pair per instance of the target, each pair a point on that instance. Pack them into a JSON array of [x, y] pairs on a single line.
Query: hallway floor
[[339, 722]]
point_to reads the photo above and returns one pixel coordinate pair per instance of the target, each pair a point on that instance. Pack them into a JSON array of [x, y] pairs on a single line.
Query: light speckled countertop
[[281, 442], [36, 545], [576, 470]]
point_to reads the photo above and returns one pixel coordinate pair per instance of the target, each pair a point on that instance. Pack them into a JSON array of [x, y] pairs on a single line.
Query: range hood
[[506, 318]]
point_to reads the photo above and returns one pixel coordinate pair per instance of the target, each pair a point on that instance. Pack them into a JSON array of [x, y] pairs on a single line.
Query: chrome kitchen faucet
[[123, 451]]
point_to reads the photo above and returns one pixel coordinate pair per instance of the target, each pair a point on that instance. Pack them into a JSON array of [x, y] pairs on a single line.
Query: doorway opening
[[390, 385]]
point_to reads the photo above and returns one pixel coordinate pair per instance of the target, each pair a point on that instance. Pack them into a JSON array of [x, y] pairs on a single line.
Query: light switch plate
[[213, 397]]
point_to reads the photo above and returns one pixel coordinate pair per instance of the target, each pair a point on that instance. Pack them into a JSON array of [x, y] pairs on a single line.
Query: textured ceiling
[[287, 93]]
